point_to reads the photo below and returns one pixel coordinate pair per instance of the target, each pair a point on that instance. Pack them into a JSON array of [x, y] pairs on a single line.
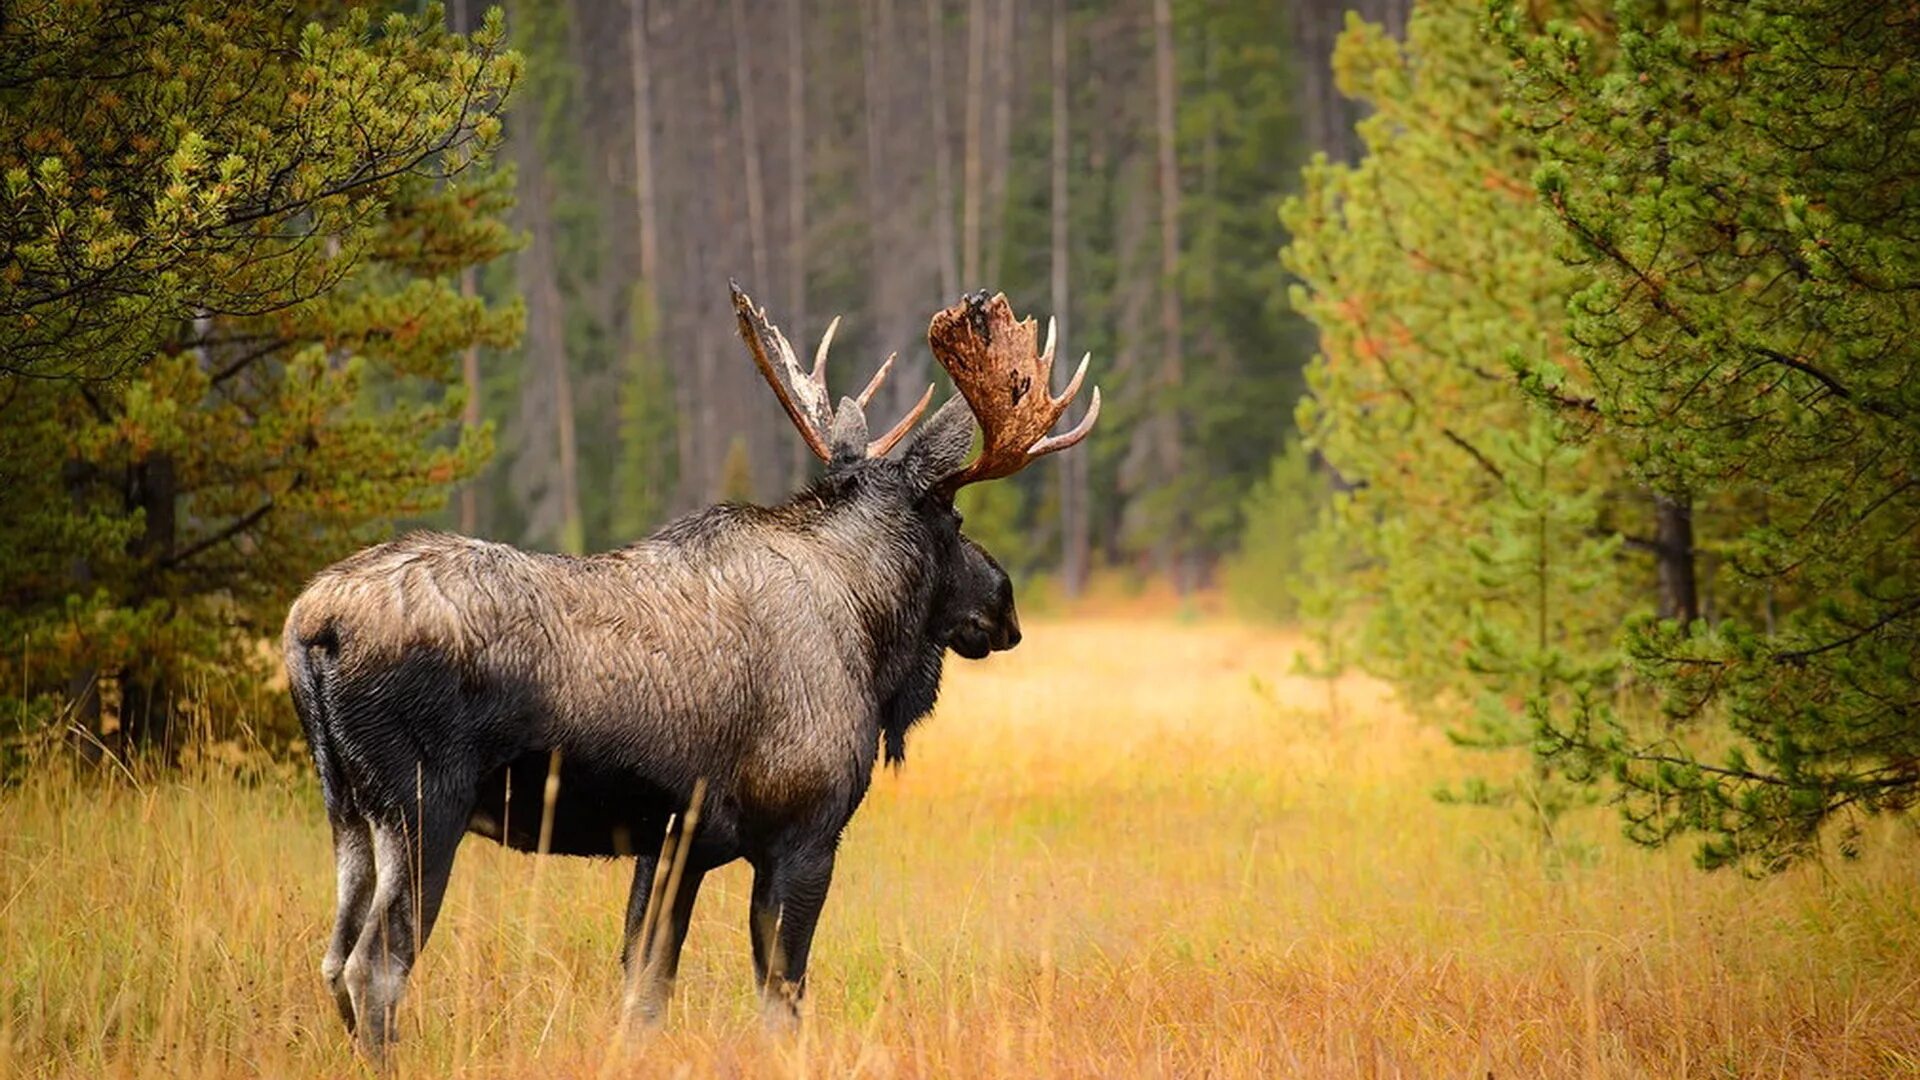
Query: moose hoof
[[780, 1008]]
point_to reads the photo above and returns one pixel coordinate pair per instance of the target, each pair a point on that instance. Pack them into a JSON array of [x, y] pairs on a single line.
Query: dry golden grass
[[1131, 847]]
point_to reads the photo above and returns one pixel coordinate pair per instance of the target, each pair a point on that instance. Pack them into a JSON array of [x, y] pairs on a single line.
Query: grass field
[[1132, 847]]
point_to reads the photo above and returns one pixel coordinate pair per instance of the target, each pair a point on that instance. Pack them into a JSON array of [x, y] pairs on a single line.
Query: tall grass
[[1131, 847]]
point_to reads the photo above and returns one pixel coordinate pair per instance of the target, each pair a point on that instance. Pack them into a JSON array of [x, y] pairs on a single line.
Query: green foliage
[[282, 386], [648, 467], [1734, 184], [1482, 575], [168, 159], [1473, 563], [1697, 291], [1268, 575], [1238, 134]]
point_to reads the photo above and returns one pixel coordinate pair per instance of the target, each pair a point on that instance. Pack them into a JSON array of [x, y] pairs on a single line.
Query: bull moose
[[762, 655]]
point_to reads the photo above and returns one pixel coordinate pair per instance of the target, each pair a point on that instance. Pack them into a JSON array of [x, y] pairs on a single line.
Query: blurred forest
[[1551, 361], [281, 279], [1116, 165]]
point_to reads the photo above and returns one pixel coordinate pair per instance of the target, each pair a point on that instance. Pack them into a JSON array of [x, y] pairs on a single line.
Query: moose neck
[[890, 555]]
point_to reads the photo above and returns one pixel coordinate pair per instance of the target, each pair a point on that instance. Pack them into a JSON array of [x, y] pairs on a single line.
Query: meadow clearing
[[1135, 846]]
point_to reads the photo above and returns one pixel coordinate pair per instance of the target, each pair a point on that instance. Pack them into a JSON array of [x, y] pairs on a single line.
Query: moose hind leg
[[353, 892], [412, 881], [650, 977]]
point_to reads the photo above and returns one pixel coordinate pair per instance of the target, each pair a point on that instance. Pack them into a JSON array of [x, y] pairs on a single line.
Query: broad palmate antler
[[1007, 382]]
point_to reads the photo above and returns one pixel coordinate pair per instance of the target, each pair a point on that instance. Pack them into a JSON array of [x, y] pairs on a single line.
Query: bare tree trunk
[[470, 414], [942, 154], [1000, 162], [1316, 107], [750, 148], [1673, 550], [573, 530], [801, 462], [548, 399], [879, 216], [1073, 527], [470, 417], [1171, 367], [970, 181], [1206, 246], [718, 411], [643, 183]]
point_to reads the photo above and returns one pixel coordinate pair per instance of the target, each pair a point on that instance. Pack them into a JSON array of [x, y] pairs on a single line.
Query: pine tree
[[1484, 572], [1267, 577], [153, 525], [165, 160], [1734, 182]]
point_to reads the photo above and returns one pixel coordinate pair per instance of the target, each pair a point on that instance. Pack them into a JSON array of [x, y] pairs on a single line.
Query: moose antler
[[803, 394], [1007, 384]]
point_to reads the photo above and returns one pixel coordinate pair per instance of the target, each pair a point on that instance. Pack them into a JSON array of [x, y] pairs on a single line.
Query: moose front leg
[[788, 893]]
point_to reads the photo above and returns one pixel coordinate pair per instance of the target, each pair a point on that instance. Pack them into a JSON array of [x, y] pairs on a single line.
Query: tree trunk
[[720, 412], [1316, 104], [1000, 145], [1171, 374], [879, 217], [942, 153], [800, 461], [470, 414], [750, 150], [970, 193], [1673, 550], [552, 489], [643, 179], [1073, 527], [470, 417]]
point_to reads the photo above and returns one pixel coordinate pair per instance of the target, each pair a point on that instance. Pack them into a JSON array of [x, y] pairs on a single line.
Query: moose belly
[[594, 811]]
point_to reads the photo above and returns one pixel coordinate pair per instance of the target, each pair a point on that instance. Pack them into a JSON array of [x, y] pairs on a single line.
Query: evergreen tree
[[1268, 575], [164, 160], [1734, 182], [283, 377], [1484, 572]]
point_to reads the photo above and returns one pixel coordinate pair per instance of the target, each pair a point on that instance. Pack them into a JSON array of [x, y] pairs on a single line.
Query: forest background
[[1569, 390]]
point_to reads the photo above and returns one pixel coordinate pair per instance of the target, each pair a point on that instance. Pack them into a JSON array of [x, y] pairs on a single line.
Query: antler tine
[[879, 377], [1007, 384], [880, 446], [1054, 443], [819, 375], [1073, 384], [802, 394]]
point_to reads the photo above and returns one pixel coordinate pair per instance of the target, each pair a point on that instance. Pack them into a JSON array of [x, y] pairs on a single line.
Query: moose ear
[[847, 438], [941, 445]]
